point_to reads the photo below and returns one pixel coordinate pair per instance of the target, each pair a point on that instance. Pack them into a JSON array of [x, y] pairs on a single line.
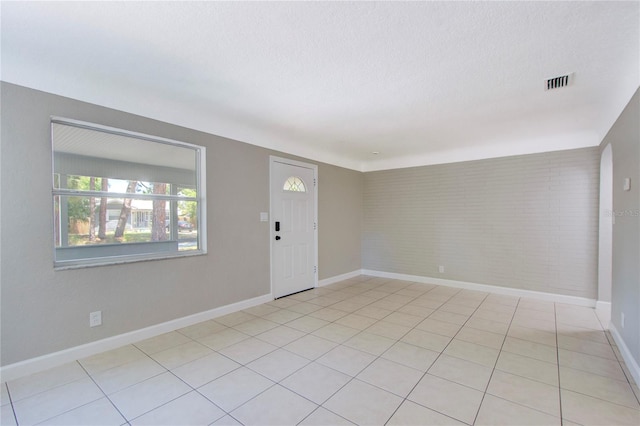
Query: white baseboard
[[631, 362], [338, 278], [551, 297], [44, 362]]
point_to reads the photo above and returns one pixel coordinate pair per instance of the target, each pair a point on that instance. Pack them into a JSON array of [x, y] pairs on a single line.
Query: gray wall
[[527, 222], [44, 311], [340, 227], [624, 138]]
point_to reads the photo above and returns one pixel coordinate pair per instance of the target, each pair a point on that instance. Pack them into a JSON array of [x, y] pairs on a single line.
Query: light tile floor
[[366, 351]]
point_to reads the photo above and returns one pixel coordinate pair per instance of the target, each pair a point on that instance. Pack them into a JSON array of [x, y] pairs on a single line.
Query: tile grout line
[[438, 357], [504, 339]]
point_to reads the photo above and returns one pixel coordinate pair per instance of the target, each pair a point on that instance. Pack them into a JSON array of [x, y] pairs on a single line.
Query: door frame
[[272, 160]]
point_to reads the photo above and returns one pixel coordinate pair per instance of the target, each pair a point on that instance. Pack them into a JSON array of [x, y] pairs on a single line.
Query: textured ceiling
[[420, 82]]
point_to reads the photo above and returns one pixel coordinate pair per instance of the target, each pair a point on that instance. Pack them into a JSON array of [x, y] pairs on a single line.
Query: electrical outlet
[[622, 319], [95, 319], [441, 269]]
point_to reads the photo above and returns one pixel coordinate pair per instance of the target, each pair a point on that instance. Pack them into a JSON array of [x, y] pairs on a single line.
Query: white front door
[[293, 226]]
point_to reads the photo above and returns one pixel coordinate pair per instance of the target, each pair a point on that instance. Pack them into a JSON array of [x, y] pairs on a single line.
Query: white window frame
[[132, 254]]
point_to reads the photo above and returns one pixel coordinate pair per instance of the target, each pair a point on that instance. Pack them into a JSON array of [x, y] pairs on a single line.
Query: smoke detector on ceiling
[[558, 82]]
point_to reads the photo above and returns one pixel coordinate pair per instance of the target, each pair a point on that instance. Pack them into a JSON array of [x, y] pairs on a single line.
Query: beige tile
[[316, 382], [282, 316], [455, 308], [275, 406], [323, 301], [487, 325], [387, 304], [523, 391], [579, 316], [411, 356], [310, 347], [391, 376], [479, 354], [35, 383], [304, 308], [53, 402], [534, 323], [497, 411], [234, 389], [256, 326], [281, 335], [427, 302], [123, 376], [530, 349], [448, 398], [4, 396], [145, 396], [348, 306], [205, 369], [597, 336], [7, 418], [481, 337], [419, 311], [373, 312], [335, 332], [359, 322], [535, 314], [387, 329], [531, 335], [411, 292], [502, 317], [234, 319], [303, 296], [530, 368], [586, 346], [106, 360], [346, 360], [162, 342], [190, 409], [460, 371], [397, 298], [611, 390], [363, 404], [376, 294], [307, 324], [99, 413], [278, 364], [371, 343], [449, 317], [403, 319], [261, 310], [587, 410], [592, 364], [223, 338], [201, 329], [247, 350], [424, 339], [537, 305], [439, 327], [324, 417], [492, 305], [412, 414], [182, 354], [328, 314]]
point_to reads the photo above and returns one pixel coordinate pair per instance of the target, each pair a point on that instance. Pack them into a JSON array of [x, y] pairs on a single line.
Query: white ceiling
[[420, 82]]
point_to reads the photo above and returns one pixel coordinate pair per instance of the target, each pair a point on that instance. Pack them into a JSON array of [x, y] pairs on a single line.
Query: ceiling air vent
[[558, 82]]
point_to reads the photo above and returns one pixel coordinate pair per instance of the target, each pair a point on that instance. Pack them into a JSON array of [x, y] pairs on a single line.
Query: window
[[120, 196], [294, 184]]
